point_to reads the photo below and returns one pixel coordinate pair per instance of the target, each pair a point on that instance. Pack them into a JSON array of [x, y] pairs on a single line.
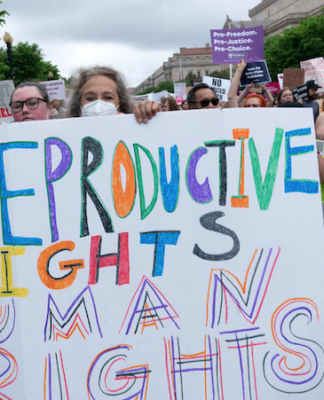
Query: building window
[[199, 74], [188, 58], [198, 58], [206, 73]]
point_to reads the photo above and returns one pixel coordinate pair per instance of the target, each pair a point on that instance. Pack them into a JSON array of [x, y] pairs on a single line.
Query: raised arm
[[243, 95], [232, 102], [268, 94]]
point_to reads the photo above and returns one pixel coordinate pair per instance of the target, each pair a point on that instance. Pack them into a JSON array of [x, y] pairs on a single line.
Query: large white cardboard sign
[[182, 259], [314, 70], [6, 89], [55, 89], [180, 92]]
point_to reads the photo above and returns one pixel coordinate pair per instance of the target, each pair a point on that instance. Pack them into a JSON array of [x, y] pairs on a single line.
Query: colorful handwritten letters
[[178, 260]]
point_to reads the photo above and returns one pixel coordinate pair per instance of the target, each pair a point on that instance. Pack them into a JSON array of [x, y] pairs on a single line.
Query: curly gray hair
[[84, 74]]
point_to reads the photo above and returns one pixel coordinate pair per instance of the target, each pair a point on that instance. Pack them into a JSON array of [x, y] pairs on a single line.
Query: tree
[[152, 89], [300, 43], [191, 78], [3, 14], [165, 85], [222, 74], [68, 81], [28, 64]]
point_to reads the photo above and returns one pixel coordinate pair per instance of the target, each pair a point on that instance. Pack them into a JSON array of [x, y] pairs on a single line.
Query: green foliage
[[3, 14], [222, 74], [165, 85], [28, 64], [152, 89], [47, 67], [68, 81], [191, 78], [300, 43]]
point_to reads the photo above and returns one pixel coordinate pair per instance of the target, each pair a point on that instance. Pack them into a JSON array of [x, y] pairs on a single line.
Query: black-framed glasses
[[205, 103], [32, 104]]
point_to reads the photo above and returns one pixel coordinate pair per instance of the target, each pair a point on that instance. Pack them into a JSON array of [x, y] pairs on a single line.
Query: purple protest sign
[[231, 45]]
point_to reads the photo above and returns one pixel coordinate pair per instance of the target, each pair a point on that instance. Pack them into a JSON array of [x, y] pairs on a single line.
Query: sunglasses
[[205, 103]]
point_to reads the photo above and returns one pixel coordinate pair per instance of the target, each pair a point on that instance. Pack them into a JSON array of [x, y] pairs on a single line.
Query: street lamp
[[8, 40]]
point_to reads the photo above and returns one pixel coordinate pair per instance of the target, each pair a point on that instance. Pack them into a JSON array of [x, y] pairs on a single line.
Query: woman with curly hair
[[100, 91], [169, 104]]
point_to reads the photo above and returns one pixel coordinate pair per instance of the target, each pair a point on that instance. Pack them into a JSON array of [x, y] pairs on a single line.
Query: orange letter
[[123, 200], [72, 265]]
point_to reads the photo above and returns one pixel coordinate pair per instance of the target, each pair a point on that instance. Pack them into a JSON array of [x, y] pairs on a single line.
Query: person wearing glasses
[[254, 101], [30, 102], [202, 96]]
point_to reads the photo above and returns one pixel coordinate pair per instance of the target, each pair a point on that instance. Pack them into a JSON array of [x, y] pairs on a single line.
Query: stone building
[[277, 15], [273, 15], [197, 60]]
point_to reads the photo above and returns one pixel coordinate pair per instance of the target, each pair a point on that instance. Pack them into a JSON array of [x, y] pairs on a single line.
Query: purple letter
[[201, 193], [53, 176]]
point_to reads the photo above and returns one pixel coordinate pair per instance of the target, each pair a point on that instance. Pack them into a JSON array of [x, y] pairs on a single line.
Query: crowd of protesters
[[102, 91]]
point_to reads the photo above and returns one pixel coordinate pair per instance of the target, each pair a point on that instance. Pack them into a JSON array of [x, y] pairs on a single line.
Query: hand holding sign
[[242, 65], [255, 72]]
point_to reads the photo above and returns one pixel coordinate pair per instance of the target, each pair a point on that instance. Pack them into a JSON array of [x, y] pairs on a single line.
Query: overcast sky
[[133, 36]]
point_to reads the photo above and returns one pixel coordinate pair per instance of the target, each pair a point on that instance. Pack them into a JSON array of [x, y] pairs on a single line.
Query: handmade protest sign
[[299, 92], [6, 89], [166, 261], [156, 97], [180, 91], [273, 87], [256, 72], [140, 99], [231, 45], [314, 70], [293, 77], [220, 86], [55, 89]]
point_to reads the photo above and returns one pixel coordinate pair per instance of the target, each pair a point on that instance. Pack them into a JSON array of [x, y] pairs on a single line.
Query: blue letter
[[159, 239], [170, 191], [7, 194], [298, 185]]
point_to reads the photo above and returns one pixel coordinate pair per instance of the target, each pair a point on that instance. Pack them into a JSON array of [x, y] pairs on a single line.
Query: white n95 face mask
[[98, 108]]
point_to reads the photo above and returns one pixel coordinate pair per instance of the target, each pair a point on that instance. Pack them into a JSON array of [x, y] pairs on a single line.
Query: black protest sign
[[299, 92], [255, 72]]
